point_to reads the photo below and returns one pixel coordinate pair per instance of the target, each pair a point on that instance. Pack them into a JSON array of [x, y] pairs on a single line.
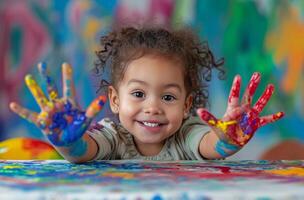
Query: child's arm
[[83, 150], [60, 119], [229, 134]]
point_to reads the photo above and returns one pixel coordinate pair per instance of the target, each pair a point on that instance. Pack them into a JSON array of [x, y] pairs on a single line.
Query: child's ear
[[114, 99], [188, 104]]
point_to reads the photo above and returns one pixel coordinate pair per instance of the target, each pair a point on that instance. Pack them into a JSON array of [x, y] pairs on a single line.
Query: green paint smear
[[16, 45]]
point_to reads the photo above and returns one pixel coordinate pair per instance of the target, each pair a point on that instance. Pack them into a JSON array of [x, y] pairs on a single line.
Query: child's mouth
[[151, 126]]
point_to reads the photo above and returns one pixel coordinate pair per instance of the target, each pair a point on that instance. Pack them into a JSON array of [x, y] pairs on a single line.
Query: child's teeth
[[150, 124]]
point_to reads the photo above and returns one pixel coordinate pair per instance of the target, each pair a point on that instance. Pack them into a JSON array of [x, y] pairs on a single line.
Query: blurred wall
[[264, 36]]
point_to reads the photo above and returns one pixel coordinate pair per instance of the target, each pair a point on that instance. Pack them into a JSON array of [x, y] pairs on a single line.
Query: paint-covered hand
[[240, 120], [60, 119]]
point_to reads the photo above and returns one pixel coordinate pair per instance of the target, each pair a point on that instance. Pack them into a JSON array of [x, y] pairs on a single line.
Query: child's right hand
[[60, 119]]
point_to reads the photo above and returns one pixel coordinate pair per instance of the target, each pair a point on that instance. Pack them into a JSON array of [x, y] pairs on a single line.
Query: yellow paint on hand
[[221, 124], [36, 90], [53, 95], [43, 115]]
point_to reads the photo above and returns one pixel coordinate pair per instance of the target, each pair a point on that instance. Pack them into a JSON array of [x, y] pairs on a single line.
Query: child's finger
[[24, 113], [271, 118], [68, 83], [96, 106], [51, 86], [262, 101], [36, 91], [234, 94], [251, 88], [207, 117]]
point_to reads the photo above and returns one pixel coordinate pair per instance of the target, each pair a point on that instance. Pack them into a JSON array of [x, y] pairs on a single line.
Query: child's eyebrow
[[170, 85], [174, 85], [137, 81]]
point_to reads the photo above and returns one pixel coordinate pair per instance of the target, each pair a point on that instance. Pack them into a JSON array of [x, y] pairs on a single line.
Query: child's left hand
[[240, 121]]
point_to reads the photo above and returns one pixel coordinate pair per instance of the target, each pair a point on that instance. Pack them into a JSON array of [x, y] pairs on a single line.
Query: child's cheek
[[128, 108], [176, 117]]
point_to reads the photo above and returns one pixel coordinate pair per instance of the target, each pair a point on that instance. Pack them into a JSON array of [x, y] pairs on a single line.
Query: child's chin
[[149, 140]]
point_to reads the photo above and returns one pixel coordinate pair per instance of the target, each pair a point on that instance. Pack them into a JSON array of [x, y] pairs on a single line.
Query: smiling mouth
[[150, 124]]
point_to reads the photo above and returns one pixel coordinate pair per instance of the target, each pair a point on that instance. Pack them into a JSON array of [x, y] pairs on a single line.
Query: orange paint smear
[[287, 43], [292, 171]]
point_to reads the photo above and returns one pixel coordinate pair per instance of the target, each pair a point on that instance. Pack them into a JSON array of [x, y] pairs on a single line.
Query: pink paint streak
[[35, 42]]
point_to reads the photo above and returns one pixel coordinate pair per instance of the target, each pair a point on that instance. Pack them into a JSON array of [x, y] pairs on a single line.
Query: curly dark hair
[[120, 47]]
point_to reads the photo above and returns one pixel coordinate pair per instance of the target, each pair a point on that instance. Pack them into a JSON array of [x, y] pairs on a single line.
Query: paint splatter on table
[[130, 179]]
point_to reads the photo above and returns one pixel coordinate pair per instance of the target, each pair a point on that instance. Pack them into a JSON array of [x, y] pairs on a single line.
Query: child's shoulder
[[113, 126], [107, 123], [193, 124], [192, 120]]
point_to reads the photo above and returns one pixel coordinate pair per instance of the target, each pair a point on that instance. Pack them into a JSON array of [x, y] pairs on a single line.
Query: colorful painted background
[[255, 35]]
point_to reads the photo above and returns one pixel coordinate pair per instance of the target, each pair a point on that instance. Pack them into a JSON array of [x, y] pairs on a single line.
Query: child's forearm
[[207, 147], [81, 151], [207, 144]]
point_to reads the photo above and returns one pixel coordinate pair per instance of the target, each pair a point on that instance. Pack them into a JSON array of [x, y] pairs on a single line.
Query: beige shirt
[[116, 143]]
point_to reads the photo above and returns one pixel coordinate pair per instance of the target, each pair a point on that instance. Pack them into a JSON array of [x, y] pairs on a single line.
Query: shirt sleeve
[[193, 130], [106, 139]]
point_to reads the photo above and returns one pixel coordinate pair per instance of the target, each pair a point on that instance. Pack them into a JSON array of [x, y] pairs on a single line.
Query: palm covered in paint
[[240, 120], [60, 119]]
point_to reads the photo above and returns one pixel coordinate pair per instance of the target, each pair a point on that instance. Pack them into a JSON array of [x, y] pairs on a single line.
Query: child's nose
[[153, 107]]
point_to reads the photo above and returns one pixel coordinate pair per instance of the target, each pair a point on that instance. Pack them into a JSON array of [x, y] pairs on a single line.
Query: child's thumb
[[206, 116], [96, 106]]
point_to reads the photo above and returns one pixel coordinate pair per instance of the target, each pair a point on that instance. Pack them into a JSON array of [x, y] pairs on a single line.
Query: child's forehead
[[154, 70]]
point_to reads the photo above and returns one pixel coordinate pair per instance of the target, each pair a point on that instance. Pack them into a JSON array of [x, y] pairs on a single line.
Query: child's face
[[151, 100]]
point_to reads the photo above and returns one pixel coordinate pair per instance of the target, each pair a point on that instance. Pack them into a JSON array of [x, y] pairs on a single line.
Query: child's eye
[[138, 94], [168, 98]]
